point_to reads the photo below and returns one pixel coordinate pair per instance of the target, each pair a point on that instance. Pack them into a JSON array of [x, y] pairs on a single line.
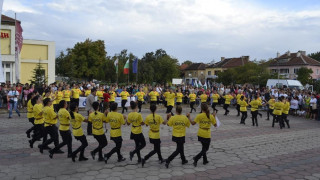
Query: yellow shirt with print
[[179, 124], [278, 106], [165, 95], [87, 92], [115, 120], [238, 98], [170, 99], [179, 97], [50, 117], [271, 103], [76, 93], [215, 98], [228, 99], [153, 95], [205, 124], [38, 115], [203, 98], [243, 105], [255, 105], [192, 97], [97, 118], [154, 122], [113, 96], [135, 119], [66, 95], [140, 96], [30, 109], [64, 119], [76, 124], [59, 96], [124, 95], [100, 95], [286, 108]]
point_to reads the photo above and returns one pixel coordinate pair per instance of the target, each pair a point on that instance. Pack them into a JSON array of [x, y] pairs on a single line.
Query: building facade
[[289, 63], [32, 53], [195, 72]]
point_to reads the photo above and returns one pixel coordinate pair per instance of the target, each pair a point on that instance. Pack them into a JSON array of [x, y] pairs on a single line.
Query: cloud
[[17, 6]]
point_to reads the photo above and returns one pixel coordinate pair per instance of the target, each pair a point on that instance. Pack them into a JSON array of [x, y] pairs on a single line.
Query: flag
[[19, 41], [135, 66], [116, 65], [126, 68], [1, 70], [205, 85], [195, 83], [199, 83]]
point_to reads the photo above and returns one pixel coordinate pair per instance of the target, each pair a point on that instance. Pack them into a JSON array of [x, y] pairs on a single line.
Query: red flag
[[19, 38]]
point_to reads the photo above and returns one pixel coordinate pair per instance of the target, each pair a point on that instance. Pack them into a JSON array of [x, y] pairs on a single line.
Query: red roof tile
[[293, 60], [231, 62]]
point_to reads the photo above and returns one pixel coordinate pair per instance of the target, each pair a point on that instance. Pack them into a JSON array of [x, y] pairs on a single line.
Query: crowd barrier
[[82, 101]]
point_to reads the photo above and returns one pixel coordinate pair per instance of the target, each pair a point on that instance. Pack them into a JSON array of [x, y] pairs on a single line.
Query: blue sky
[[197, 30]]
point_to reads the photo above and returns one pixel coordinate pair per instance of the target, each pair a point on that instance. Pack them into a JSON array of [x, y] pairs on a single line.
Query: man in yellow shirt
[[192, 100], [285, 112], [243, 108], [67, 95], [254, 110], [140, 95], [75, 94], [113, 96], [124, 98], [170, 101], [271, 103], [153, 96], [179, 96], [238, 100], [165, 95], [277, 112], [227, 102], [215, 98]]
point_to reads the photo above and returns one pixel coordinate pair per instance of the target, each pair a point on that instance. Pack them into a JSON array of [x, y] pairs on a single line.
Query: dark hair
[[34, 100], [61, 104], [204, 108], [242, 97], [93, 90], [29, 96], [179, 109], [73, 107], [46, 101], [114, 106], [133, 105], [95, 106], [255, 97], [153, 109]]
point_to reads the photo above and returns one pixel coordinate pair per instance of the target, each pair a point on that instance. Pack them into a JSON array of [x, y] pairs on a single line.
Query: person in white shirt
[[294, 105], [13, 95]]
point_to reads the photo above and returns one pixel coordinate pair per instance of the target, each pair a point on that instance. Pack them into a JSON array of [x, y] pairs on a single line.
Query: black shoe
[[106, 158], [143, 161], [92, 155], [59, 152], [131, 155], [195, 162], [70, 156], [100, 159], [139, 161], [28, 135], [73, 158], [30, 143], [260, 115], [184, 162], [51, 155], [83, 159], [167, 165], [205, 162], [121, 159], [41, 149], [161, 161], [46, 148]]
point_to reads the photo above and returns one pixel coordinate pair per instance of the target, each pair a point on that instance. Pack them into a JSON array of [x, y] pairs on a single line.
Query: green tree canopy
[[304, 75], [315, 56]]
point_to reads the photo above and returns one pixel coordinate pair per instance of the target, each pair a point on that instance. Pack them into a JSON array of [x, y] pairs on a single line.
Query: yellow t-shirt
[[271, 103], [215, 98], [179, 97], [243, 105], [100, 95], [135, 119], [66, 96], [140, 96], [166, 95], [238, 98], [179, 124], [205, 124], [64, 119], [203, 98], [153, 95], [278, 106], [76, 93], [154, 123], [113, 96], [228, 99], [170, 99], [124, 95], [50, 117], [53, 97], [76, 124], [30, 110], [286, 107], [38, 116], [87, 92], [192, 97], [97, 118], [58, 95], [255, 105], [116, 120]]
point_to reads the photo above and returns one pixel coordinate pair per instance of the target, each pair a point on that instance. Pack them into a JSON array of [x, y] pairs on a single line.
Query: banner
[[1, 69], [19, 42]]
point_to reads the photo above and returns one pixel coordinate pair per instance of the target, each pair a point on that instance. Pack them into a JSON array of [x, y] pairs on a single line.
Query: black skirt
[[154, 141], [204, 140], [136, 136], [179, 139]]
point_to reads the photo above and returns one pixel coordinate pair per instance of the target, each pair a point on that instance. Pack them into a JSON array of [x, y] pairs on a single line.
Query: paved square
[[236, 152]]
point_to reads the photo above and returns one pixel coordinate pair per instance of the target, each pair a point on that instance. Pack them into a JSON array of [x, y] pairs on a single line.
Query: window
[[317, 71], [296, 70], [7, 65], [284, 71], [8, 76], [209, 73]]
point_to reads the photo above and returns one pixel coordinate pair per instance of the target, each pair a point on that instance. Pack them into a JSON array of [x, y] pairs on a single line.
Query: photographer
[[13, 95]]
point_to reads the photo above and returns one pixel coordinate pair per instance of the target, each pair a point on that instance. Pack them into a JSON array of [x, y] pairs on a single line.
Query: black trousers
[[277, 118], [84, 144], [153, 103], [54, 137], [105, 106], [243, 117], [225, 107], [39, 128], [74, 100], [191, 106], [205, 142], [66, 140], [140, 105], [169, 109], [140, 143], [254, 117], [31, 120], [103, 142], [179, 150], [214, 106], [269, 112], [117, 149], [156, 149], [123, 105], [178, 103], [89, 127], [110, 103], [285, 120], [238, 109]]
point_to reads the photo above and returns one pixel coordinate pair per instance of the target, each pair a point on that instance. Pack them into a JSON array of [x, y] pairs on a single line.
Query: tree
[[188, 62], [304, 75], [315, 56], [39, 76]]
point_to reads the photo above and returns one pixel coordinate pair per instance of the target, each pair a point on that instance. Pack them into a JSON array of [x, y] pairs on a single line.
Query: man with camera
[[13, 95]]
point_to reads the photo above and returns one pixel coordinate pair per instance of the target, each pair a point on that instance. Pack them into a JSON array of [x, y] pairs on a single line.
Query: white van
[[284, 83]]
